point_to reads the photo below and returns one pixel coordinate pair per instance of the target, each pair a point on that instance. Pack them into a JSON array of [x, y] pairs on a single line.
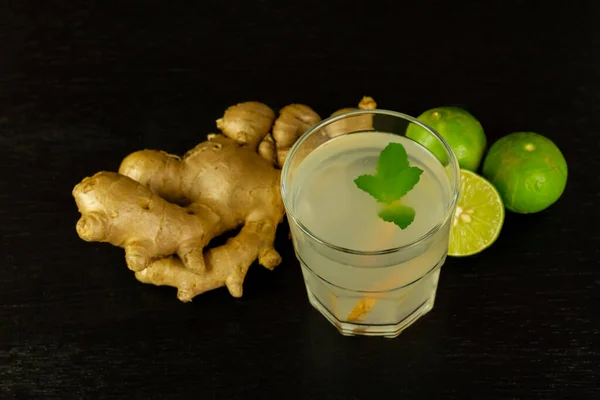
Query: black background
[[82, 84]]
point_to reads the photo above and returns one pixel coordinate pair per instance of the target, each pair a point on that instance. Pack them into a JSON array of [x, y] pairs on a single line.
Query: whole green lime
[[528, 170], [459, 128]]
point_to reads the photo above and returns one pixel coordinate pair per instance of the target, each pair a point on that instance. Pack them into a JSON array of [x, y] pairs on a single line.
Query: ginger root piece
[[293, 121], [171, 272], [361, 309], [358, 123], [247, 123], [162, 207], [122, 212], [267, 149], [366, 103], [253, 241]]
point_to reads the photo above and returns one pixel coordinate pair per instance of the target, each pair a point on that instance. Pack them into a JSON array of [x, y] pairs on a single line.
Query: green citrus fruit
[[459, 128], [478, 218], [528, 170]]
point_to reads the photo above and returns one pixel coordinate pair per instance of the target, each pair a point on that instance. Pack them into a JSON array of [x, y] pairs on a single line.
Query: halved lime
[[478, 218]]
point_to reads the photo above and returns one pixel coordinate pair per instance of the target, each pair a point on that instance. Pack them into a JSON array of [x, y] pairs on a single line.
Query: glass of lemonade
[[365, 275]]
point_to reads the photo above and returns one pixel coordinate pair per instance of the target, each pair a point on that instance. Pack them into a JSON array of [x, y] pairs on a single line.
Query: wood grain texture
[[82, 84]]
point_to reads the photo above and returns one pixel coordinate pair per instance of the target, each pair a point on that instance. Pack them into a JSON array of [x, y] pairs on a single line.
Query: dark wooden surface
[[82, 84]]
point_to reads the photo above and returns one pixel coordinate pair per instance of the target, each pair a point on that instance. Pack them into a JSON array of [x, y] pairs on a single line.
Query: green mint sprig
[[393, 179]]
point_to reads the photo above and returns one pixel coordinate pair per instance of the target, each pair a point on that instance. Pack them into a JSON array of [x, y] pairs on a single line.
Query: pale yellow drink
[[372, 291]]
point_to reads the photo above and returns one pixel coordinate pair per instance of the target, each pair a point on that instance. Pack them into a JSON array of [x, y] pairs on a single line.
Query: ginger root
[[293, 121], [164, 210], [161, 207], [357, 123], [247, 123], [267, 149]]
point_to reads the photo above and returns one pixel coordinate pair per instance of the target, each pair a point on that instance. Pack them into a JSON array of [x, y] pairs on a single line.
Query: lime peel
[[461, 130], [529, 171]]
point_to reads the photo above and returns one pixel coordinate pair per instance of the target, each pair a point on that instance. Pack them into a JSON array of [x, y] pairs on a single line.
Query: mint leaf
[[400, 215], [374, 186], [392, 160], [403, 183], [393, 179]]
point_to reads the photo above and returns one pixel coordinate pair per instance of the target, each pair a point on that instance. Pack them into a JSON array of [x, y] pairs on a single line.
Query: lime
[[461, 130], [478, 218], [528, 170]]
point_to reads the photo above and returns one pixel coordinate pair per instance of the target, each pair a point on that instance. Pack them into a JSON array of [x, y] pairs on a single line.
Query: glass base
[[356, 329]]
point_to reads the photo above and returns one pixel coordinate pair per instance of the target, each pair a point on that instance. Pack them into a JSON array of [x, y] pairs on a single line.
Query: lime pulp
[[478, 218]]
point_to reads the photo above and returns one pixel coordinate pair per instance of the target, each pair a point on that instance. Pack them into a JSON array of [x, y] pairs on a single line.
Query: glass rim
[[327, 121]]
